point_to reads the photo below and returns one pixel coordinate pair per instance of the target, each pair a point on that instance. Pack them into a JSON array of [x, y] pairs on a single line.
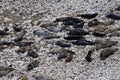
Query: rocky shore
[[59, 39]]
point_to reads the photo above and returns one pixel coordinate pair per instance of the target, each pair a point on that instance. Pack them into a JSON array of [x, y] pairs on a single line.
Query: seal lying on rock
[[113, 16], [89, 16], [107, 52]]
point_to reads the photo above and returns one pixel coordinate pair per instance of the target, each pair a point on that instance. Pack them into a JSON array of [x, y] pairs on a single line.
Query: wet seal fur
[[107, 52], [113, 16], [88, 56], [89, 16]]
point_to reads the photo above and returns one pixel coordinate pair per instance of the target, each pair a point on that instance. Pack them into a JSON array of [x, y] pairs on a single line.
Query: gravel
[[31, 15]]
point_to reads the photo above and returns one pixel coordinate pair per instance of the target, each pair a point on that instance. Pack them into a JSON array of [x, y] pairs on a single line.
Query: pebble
[[113, 16], [32, 65], [89, 16], [107, 52]]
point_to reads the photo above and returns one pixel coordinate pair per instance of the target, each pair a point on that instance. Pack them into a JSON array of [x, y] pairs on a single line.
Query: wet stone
[[32, 65], [89, 16], [107, 52]]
